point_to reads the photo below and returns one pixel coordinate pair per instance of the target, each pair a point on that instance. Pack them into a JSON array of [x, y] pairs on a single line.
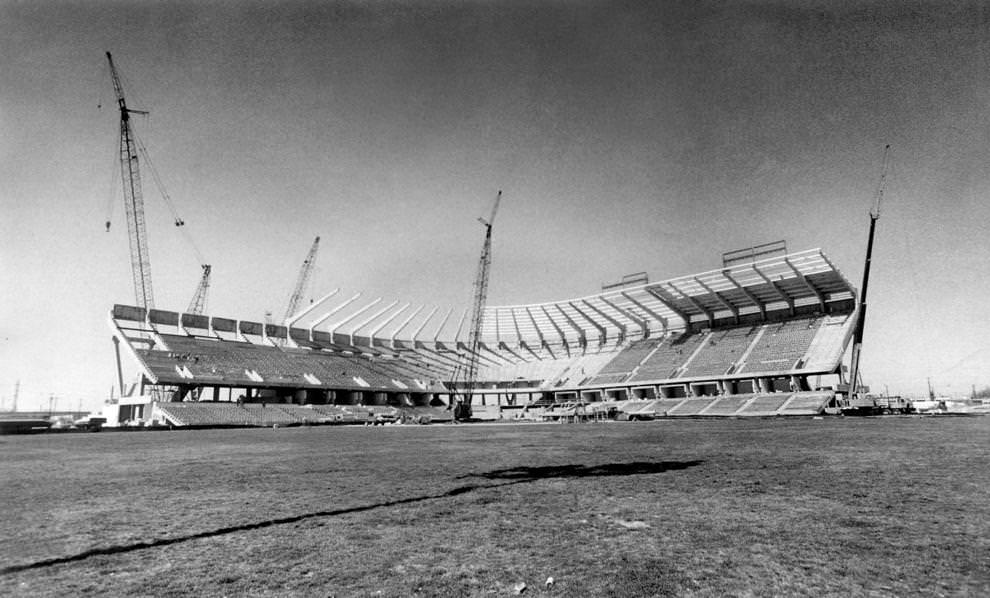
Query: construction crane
[[198, 303], [302, 281], [464, 377], [861, 306], [133, 199], [130, 148]]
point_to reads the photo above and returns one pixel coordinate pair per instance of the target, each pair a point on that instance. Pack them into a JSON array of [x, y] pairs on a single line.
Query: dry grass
[[843, 507]]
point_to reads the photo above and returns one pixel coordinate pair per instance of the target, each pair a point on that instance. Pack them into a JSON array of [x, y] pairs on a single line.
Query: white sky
[[625, 137]]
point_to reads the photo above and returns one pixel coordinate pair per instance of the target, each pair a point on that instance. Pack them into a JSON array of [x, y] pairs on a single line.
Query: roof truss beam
[[749, 295], [776, 288], [645, 308], [664, 297], [602, 333], [720, 299], [807, 283]]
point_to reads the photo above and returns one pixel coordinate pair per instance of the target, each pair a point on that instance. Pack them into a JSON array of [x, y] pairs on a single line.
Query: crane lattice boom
[[302, 281], [198, 303], [133, 198], [465, 375], [861, 307]]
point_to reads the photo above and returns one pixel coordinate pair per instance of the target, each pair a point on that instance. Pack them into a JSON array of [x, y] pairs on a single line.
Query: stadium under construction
[[756, 337]]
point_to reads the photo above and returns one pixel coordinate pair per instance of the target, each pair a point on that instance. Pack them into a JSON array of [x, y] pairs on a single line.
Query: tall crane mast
[[466, 371], [861, 306], [302, 281], [198, 303], [133, 198]]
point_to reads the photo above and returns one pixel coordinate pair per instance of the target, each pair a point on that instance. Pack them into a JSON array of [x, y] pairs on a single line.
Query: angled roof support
[[415, 336], [749, 295], [460, 327], [333, 327], [515, 324], [443, 322], [327, 315], [539, 333], [310, 307], [660, 318], [602, 332], [776, 288], [708, 313], [386, 322], [560, 332], [402, 326], [629, 315], [721, 299], [663, 296], [371, 319], [613, 321], [807, 283], [582, 337]]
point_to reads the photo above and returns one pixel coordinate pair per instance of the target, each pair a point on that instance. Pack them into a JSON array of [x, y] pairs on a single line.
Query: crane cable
[[114, 187], [179, 222]]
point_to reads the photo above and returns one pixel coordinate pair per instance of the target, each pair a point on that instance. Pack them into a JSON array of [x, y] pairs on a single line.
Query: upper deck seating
[[668, 357], [829, 344], [625, 361], [782, 345], [605, 379], [236, 363], [722, 349]]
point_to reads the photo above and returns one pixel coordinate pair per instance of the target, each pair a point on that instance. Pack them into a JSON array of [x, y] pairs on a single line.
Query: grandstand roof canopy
[[778, 284]]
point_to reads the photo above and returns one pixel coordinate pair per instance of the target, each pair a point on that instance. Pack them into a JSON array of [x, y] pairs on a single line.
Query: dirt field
[[843, 507]]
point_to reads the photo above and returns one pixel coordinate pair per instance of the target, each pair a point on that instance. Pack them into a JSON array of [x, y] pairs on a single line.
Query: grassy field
[[842, 507]]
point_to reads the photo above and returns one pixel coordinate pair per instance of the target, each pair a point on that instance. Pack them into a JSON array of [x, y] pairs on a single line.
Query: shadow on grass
[[583, 471], [515, 475]]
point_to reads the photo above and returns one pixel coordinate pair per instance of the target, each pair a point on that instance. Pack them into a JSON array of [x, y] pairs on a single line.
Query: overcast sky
[[626, 136]]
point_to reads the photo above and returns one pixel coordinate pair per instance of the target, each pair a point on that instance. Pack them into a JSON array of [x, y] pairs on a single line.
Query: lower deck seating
[[765, 404], [811, 403], [729, 405], [692, 406], [218, 414], [207, 414]]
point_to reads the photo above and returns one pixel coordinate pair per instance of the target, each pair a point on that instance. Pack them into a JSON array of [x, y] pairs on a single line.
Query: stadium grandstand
[[753, 338]]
